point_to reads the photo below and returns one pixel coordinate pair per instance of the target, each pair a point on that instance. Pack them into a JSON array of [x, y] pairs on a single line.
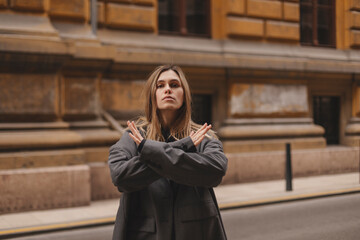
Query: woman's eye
[[174, 85], [159, 86]]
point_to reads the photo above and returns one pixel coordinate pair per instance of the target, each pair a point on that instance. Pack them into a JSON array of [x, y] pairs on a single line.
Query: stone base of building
[[241, 146], [100, 182], [252, 167], [77, 185], [38, 180], [44, 188]]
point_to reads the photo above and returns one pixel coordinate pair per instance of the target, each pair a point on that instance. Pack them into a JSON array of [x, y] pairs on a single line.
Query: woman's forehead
[[168, 76]]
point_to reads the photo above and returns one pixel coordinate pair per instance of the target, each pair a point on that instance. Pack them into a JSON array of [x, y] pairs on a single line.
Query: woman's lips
[[168, 98]]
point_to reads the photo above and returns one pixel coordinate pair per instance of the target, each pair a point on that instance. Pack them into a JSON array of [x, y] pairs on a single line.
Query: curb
[[299, 197], [19, 232]]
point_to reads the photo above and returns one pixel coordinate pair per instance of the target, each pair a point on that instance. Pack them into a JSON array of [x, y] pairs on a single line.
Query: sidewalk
[[228, 196]]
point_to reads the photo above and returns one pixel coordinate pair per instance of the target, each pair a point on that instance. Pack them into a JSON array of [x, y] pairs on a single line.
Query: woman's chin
[[169, 107]]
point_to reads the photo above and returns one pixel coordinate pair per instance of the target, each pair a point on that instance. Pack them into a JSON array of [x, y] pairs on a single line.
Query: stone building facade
[[263, 72]]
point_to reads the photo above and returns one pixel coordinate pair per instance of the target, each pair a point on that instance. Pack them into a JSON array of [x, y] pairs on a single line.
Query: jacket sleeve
[[127, 172], [184, 144], [182, 163]]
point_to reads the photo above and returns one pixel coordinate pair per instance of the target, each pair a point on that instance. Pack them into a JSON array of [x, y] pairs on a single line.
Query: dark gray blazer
[[149, 208]]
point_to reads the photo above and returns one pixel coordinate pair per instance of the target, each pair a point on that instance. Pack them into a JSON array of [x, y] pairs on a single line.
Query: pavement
[[228, 196]]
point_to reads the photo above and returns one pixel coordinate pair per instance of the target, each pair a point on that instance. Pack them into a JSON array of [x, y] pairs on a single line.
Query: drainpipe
[[93, 18]]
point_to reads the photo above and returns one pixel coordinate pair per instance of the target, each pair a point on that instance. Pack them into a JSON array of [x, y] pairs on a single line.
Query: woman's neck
[[167, 118]]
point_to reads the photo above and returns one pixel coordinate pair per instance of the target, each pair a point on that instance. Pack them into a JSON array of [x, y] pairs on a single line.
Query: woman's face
[[169, 91]]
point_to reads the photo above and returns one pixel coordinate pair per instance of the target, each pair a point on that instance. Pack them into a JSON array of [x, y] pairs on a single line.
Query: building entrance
[[326, 110]]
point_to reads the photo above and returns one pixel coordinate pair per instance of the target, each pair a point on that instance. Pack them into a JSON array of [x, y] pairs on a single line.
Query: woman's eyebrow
[[170, 80]]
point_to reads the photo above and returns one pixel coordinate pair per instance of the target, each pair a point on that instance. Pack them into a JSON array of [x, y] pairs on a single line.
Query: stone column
[[352, 131]]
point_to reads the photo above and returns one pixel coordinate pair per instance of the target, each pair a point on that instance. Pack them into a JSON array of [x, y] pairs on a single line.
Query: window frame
[[182, 29], [315, 40]]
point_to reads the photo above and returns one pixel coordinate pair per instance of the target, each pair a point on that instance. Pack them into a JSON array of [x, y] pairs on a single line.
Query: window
[[185, 17], [317, 22], [326, 114]]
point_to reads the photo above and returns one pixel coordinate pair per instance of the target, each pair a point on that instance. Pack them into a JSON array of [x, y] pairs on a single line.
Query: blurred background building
[[263, 72]]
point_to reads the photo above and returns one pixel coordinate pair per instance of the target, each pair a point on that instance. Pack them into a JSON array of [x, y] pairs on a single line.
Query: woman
[[166, 166]]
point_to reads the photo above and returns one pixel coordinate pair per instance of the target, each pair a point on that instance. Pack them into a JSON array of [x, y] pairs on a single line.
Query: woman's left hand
[[200, 134], [135, 134]]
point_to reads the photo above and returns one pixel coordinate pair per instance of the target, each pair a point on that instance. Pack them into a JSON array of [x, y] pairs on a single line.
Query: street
[[326, 218]]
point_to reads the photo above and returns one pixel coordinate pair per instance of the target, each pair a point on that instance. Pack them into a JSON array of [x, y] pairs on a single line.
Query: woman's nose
[[167, 88]]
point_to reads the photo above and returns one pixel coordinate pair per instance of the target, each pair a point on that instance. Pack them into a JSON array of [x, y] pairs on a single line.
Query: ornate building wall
[[64, 91]]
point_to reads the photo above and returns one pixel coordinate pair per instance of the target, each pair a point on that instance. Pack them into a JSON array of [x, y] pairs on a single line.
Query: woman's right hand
[[199, 135], [135, 134]]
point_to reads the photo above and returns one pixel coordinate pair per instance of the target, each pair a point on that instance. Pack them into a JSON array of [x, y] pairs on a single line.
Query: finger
[[138, 134], [204, 131], [134, 138], [201, 138], [130, 125], [195, 141], [203, 126], [202, 135], [136, 129], [208, 128], [133, 125], [133, 129], [200, 129], [192, 133]]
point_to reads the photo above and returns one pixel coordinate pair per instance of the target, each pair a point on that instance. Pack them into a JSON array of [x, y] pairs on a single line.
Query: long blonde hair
[[150, 124]]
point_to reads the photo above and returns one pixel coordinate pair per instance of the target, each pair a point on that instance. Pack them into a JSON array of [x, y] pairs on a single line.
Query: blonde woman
[[166, 166]]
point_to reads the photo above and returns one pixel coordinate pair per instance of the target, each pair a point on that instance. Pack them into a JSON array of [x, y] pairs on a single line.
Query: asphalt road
[[321, 219], [331, 218]]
